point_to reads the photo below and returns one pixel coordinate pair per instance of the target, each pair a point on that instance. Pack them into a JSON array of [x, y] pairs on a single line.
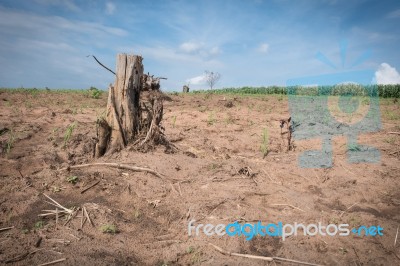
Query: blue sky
[[251, 43]]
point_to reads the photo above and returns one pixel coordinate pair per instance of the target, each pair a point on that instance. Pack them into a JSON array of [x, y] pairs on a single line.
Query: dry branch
[[259, 257], [116, 165], [102, 64], [52, 262], [284, 204], [89, 187], [6, 228]]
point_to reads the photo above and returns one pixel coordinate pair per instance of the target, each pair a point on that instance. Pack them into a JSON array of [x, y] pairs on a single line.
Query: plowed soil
[[218, 175]]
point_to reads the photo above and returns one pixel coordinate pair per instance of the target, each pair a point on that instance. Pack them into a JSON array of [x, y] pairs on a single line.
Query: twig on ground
[[394, 152], [21, 257], [284, 204], [258, 257], [83, 218], [56, 204], [89, 187], [87, 215], [348, 209], [52, 262], [397, 233], [395, 133], [116, 165], [173, 189], [6, 228], [179, 188], [56, 217]]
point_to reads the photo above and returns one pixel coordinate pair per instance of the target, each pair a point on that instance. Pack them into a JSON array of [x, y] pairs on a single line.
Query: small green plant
[[343, 250], [39, 224], [354, 147], [28, 104], [366, 101], [109, 229], [94, 93], [229, 119], [173, 121], [68, 133], [211, 119], [392, 116], [56, 189], [190, 250], [136, 213], [196, 256], [10, 141], [72, 179], [390, 140], [264, 147]]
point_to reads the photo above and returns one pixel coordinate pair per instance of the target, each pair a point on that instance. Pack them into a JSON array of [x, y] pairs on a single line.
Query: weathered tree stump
[[131, 118], [185, 89]]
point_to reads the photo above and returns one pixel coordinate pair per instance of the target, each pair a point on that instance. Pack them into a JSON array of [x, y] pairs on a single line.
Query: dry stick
[[394, 152], [89, 187], [56, 217], [102, 64], [6, 228], [294, 207], [21, 257], [173, 189], [397, 233], [52, 262], [58, 204], [116, 165], [258, 257], [82, 218], [87, 216], [21, 174], [179, 187], [396, 133], [348, 208], [148, 133]]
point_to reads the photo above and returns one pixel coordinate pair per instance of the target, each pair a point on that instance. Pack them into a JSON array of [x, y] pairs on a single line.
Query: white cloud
[[387, 74], [69, 4], [196, 80], [394, 14], [263, 48], [191, 47], [215, 50], [19, 23], [199, 49], [110, 8]]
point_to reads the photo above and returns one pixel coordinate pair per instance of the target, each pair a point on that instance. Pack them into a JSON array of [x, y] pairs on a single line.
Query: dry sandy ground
[[202, 181]]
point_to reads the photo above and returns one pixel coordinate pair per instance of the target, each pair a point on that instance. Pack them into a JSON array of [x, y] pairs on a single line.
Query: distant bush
[[94, 93]]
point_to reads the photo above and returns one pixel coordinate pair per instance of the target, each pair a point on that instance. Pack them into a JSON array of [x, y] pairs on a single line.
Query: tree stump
[[134, 109], [123, 111], [185, 89]]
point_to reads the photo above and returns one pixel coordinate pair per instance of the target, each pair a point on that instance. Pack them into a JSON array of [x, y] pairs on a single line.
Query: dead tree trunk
[[131, 118], [123, 106]]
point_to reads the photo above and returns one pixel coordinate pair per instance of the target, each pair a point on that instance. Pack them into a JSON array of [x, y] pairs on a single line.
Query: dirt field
[[218, 176]]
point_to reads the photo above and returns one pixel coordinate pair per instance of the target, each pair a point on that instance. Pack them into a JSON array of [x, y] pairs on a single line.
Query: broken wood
[[6, 228], [89, 187], [116, 165], [52, 262], [222, 251]]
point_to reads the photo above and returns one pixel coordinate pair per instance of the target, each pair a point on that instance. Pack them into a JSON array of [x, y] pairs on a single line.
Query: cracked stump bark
[[122, 123]]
